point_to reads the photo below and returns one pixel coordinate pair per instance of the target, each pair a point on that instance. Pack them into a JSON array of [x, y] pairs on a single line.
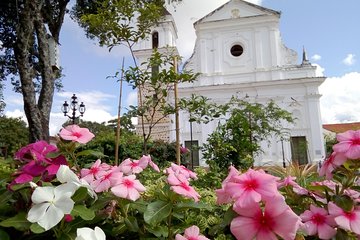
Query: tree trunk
[[32, 29]]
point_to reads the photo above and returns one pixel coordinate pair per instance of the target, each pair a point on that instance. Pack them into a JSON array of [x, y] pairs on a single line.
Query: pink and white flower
[[174, 168], [222, 196], [76, 134], [252, 186], [180, 185], [147, 159], [335, 160], [317, 221], [129, 166], [128, 187], [348, 220], [191, 233], [277, 219], [96, 170], [349, 144], [107, 179]]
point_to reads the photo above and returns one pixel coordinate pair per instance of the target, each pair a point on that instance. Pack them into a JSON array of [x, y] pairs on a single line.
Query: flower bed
[[51, 194]]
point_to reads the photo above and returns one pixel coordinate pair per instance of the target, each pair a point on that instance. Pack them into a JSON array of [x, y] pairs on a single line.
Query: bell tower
[[162, 38]]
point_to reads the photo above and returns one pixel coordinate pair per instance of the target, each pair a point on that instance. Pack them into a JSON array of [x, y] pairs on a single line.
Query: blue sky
[[327, 28]]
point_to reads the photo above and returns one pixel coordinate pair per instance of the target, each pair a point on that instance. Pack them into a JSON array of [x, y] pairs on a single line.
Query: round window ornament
[[236, 50]]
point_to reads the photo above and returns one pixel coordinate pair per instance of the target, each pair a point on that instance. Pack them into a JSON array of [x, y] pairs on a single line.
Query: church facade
[[239, 52]]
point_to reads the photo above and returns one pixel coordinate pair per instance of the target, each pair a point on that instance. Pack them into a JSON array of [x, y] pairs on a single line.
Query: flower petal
[[42, 194], [52, 217], [99, 234], [244, 228], [37, 212]]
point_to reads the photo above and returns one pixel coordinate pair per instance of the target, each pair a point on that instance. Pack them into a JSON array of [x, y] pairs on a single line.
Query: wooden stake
[[177, 128], [118, 125]]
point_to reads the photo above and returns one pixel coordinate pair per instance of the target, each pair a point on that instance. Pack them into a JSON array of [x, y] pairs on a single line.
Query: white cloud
[[349, 60], [16, 113], [319, 70], [131, 98], [316, 57], [340, 98]]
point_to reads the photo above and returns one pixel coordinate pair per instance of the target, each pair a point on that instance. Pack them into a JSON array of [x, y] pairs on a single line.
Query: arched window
[[155, 40]]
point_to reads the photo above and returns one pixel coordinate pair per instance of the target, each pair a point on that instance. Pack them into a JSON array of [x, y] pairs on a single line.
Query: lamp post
[[283, 153], [73, 106]]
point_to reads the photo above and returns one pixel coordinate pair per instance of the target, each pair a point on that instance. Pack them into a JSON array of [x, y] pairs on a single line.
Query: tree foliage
[[118, 22], [237, 140], [13, 134]]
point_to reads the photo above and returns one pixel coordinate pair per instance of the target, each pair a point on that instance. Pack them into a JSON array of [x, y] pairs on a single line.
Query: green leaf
[[84, 212], [157, 211], [319, 188], [345, 202], [159, 231], [80, 194], [4, 235], [229, 215], [90, 152], [66, 236], [120, 229], [139, 205], [19, 222], [131, 224], [53, 154], [36, 228], [192, 205]]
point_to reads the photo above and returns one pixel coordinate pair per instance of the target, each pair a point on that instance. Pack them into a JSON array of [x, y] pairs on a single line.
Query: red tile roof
[[342, 127]]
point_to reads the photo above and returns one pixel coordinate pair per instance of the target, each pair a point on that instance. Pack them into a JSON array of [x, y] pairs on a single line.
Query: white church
[[239, 52]]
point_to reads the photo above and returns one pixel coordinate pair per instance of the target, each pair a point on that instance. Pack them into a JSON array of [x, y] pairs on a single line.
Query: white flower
[[50, 205], [71, 181], [89, 234]]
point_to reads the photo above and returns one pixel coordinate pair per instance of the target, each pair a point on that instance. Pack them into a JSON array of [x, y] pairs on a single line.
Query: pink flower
[[68, 218], [76, 134], [129, 166], [191, 233], [184, 150], [277, 219], [181, 186], [147, 159], [222, 196], [181, 169], [318, 221], [349, 144], [36, 163], [128, 187], [335, 160], [252, 186], [287, 181], [106, 180], [96, 170], [348, 220], [35, 152]]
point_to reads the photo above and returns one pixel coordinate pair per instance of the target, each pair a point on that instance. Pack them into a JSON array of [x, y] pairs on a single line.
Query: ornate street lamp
[[74, 106]]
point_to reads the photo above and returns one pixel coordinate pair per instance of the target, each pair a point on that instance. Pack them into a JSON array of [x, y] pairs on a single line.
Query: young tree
[[237, 140], [154, 90]]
